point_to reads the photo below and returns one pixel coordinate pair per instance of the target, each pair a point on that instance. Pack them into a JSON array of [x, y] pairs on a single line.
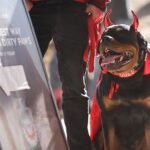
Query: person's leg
[[70, 42], [43, 19]]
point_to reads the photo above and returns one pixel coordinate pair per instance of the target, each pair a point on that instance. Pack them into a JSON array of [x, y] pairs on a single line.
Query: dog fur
[[123, 92]]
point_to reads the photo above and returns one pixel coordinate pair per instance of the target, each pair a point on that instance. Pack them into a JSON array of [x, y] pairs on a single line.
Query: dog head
[[122, 48]]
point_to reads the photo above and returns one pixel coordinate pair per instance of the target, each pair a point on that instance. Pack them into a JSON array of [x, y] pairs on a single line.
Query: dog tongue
[[109, 60]]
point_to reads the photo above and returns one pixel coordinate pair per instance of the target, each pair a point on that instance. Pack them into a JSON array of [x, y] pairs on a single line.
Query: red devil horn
[[135, 23], [107, 21]]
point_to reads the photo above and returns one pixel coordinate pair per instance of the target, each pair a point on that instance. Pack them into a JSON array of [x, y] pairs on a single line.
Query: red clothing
[[94, 35]]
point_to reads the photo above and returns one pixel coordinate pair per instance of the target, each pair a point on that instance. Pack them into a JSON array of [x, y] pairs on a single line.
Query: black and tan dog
[[123, 93]]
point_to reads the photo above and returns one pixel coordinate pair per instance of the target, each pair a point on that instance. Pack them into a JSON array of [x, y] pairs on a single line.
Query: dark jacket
[[99, 3]]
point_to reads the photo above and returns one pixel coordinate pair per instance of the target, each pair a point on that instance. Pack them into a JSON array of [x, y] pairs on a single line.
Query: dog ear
[[135, 23]]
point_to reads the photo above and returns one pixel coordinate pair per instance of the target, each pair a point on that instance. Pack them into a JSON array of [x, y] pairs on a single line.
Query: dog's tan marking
[[145, 102], [147, 136], [109, 103], [101, 144], [113, 144]]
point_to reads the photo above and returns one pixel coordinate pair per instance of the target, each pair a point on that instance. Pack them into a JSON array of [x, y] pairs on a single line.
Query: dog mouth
[[112, 60]]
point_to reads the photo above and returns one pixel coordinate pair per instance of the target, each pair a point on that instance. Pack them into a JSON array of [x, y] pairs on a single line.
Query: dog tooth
[[113, 61], [121, 58], [106, 50]]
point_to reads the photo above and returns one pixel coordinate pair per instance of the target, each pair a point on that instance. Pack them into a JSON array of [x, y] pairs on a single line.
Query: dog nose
[[107, 38]]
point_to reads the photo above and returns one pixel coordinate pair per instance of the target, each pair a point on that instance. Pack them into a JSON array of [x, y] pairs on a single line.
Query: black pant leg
[[43, 17], [70, 41]]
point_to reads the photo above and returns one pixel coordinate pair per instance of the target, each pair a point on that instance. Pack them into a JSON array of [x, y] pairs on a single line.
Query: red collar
[[125, 75]]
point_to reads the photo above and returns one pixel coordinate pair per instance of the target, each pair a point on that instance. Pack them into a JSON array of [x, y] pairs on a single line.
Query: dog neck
[[125, 75], [135, 79]]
